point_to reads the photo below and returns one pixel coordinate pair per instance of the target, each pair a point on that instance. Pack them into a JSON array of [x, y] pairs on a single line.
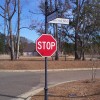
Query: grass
[[38, 63], [80, 90]]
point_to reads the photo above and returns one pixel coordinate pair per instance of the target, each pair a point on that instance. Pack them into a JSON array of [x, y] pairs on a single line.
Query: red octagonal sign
[[46, 45]]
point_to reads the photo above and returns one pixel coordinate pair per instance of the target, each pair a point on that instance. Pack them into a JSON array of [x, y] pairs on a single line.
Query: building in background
[[30, 50]]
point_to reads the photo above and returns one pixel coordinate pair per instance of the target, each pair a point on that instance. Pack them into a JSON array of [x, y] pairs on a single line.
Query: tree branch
[[26, 28], [13, 11], [3, 16], [34, 12], [2, 8]]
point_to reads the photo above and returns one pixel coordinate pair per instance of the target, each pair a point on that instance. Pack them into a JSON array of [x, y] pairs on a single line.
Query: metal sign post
[[46, 77], [49, 19], [46, 46]]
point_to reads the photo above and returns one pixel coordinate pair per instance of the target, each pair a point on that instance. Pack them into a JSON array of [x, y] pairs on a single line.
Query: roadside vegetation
[[78, 44], [80, 37], [80, 90]]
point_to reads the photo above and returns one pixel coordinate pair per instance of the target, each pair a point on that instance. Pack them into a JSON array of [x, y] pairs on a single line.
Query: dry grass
[[34, 63], [81, 90], [69, 91]]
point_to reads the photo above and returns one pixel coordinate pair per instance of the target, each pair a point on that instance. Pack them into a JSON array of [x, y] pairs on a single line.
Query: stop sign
[[46, 45]]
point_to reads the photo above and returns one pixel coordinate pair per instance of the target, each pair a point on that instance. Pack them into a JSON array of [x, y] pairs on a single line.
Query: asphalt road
[[13, 84]]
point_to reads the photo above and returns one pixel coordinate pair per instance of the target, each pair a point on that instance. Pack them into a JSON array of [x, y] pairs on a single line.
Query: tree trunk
[[50, 5], [81, 49], [11, 42], [5, 24], [83, 57], [56, 36], [76, 47], [76, 32], [18, 34], [10, 32]]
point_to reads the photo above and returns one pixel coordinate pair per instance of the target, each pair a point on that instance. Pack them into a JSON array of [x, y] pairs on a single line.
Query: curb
[[35, 90], [32, 92], [51, 70]]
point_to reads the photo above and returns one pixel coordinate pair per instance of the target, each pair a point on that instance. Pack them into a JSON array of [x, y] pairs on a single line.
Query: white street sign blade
[[60, 21]]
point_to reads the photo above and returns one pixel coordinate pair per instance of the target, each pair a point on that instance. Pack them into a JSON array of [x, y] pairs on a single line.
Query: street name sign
[[60, 21], [46, 45], [52, 16]]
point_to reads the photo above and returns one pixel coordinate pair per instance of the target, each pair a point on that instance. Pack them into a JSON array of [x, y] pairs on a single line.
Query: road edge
[[33, 92], [50, 70]]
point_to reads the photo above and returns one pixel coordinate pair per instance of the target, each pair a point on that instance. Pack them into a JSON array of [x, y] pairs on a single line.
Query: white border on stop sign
[[53, 38]]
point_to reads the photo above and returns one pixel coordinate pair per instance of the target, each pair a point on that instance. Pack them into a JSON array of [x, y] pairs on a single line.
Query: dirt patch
[[81, 90], [38, 63]]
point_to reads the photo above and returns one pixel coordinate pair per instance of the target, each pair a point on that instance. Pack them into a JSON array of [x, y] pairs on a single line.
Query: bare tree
[[18, 31], [9, 9], [5, 24], [10, 16]]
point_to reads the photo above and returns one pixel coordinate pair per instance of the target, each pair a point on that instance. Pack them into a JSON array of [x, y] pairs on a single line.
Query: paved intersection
[[13, 84]]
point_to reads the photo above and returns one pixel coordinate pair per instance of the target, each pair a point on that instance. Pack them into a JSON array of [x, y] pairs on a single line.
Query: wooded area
[[84, 28], [81, 36]]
